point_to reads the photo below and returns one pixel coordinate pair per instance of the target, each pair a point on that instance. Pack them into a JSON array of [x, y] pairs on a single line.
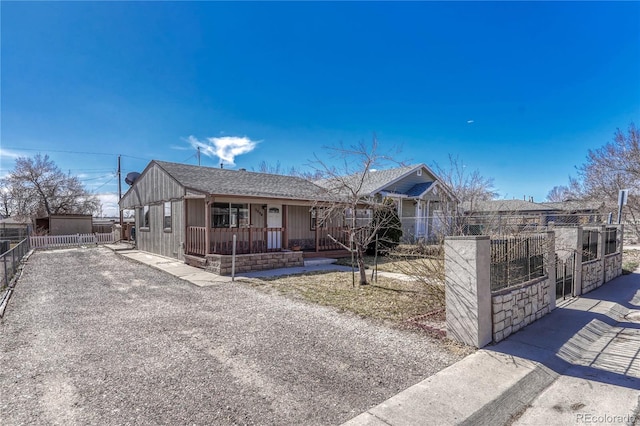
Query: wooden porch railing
[[255, 240], [248, 240], [323, 242], [196, 240]]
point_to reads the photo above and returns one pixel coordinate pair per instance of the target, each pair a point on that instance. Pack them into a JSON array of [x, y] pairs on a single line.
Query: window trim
[[232, 218], [145, 218], [170, 216]]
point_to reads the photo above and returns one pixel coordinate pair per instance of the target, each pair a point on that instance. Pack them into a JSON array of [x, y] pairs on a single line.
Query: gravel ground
[[90, 337]]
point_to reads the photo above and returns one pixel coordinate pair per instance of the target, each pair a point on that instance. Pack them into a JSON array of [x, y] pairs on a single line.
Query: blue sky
[[519, 91]]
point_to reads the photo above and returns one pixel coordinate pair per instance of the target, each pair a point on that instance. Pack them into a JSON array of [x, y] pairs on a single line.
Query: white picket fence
[[57, 241]]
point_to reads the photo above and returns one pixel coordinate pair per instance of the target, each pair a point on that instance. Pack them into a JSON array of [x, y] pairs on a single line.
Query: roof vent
[[242, 170], [131, 178], [419, 172]]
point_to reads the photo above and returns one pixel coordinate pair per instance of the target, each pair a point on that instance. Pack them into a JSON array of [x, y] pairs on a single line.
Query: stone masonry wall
[[221, 264], [591, 275], [519, 306], [612, 266]]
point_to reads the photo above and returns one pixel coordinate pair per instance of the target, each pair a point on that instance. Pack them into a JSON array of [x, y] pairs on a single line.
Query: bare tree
[[36, 187], [365, 215], [613, 167], [468, 186], [558, 194]]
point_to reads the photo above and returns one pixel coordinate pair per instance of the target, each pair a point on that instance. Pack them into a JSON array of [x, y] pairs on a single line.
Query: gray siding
[[155, 239], [195, 213], [153, 186], [299, 223]]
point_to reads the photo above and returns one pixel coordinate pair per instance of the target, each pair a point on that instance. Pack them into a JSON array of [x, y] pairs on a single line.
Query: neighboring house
[[192, 213], [65, 224], [518, 215], [425, 204]]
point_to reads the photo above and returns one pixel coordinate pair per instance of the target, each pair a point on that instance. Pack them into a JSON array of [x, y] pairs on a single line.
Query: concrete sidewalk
[[203, 278], [579, 364]]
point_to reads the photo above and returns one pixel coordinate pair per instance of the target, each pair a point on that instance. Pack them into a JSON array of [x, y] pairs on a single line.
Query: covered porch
[[259, 226]]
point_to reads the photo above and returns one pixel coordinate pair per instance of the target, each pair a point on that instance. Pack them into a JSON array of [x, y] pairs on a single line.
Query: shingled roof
[[373, 181], [209, 180], [503, 206]]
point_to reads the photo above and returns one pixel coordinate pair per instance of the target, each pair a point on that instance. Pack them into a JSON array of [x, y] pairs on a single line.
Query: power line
[[73, 152], [107, 182]]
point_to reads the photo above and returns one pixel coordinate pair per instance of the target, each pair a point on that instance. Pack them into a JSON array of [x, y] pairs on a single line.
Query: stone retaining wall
[[221, 264], [612, 266], [592, 276], [516, 307]]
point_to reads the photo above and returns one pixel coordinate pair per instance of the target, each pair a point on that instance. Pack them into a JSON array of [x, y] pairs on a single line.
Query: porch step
[[319, 261]]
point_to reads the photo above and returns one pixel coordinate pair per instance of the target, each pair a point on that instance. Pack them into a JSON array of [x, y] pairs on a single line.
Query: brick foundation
[[221, 264]]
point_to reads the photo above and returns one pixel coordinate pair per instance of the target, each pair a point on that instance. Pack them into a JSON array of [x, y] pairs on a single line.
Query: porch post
[[317, 233], [285, 222], [426, 221], [207, 225], [187, 240]]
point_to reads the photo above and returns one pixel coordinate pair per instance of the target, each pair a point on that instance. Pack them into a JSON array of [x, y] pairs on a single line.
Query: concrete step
[[319, 261]]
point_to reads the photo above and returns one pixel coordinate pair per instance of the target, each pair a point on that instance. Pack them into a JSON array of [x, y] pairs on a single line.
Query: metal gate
[[565, 276]]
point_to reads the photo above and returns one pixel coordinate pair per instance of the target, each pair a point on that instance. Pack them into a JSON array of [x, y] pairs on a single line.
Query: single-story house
[[193, 213], [485, 216], [424, 202]]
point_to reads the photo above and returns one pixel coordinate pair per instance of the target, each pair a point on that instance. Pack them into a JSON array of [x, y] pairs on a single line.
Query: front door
[[274, 220]]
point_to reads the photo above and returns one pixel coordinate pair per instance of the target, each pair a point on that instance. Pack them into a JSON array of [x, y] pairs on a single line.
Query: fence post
[[467, 265]]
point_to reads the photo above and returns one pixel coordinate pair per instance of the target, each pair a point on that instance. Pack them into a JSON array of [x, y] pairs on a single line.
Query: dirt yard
[[90, 337]]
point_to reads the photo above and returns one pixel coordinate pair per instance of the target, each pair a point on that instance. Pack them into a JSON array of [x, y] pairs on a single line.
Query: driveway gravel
[[90, 337]]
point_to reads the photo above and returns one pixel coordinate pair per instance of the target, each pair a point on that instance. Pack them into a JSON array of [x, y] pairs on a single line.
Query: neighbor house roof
[[380, 181], [210, 180], [503, 206], [576, 205]]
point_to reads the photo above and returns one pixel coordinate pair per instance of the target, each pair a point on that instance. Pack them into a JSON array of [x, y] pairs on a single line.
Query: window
[[317, 214], [363, 217], [167, 216], [225, 215], [145, 217]]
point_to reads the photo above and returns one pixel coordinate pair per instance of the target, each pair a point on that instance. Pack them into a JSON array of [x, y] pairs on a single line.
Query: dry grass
[[630, 261], [400, 264], [387, 299]]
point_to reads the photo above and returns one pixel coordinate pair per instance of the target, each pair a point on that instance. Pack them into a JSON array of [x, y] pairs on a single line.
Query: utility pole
[[198, 156], [119, 198]]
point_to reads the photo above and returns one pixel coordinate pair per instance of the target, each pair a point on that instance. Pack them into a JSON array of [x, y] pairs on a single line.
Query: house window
[[316, 214], [225, 215], [145, 217], [363, 217], [167, 216]]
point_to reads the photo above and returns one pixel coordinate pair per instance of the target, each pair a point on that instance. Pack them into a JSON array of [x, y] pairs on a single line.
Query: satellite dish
[[131, 177]]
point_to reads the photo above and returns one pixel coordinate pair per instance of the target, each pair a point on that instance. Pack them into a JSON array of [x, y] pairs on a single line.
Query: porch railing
[[248, 240], [255, 240], [324, 242], [196, 240]]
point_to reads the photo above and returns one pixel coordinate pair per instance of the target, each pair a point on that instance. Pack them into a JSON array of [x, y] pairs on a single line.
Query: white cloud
[[469, 121], [226, 148], [10, 154]]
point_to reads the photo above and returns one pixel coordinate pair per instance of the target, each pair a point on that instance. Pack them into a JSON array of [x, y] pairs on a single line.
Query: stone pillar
[[602, 238], [577, 264], [468, 289], [550, 259]]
